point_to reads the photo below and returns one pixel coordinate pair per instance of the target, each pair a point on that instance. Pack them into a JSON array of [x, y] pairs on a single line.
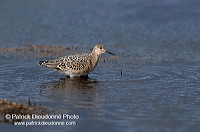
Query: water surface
[[153, 84]]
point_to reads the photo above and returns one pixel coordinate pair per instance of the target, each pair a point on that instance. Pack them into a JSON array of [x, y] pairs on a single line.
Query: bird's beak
[[110, 53]]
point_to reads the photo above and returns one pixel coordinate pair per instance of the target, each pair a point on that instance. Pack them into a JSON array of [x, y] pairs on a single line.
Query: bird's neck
[[94, 58]]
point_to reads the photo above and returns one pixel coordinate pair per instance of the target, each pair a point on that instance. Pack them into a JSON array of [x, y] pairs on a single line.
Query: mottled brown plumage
[[77, 65]]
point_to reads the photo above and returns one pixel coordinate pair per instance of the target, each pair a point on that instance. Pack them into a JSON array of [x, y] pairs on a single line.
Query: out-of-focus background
[[152, 85]]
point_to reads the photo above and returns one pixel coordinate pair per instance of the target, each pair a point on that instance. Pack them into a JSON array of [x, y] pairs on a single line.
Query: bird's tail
[[43, 63], [48, 63]]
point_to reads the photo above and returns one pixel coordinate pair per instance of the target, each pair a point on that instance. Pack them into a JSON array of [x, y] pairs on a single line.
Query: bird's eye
[[100, 48]]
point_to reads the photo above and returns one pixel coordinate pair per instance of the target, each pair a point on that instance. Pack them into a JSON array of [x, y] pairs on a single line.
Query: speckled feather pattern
[[78, 64]]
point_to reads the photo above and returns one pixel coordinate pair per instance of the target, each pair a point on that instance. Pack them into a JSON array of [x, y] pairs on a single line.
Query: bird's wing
[[73, 62]]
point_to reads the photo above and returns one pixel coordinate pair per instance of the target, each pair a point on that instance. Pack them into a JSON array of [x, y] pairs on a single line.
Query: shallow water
[[153, 84]]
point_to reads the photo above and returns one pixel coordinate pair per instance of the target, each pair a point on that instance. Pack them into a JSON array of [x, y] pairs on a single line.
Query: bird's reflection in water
[[73, 92]]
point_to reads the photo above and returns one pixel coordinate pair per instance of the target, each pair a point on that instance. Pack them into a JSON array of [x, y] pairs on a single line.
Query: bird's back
[[77, 65]]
